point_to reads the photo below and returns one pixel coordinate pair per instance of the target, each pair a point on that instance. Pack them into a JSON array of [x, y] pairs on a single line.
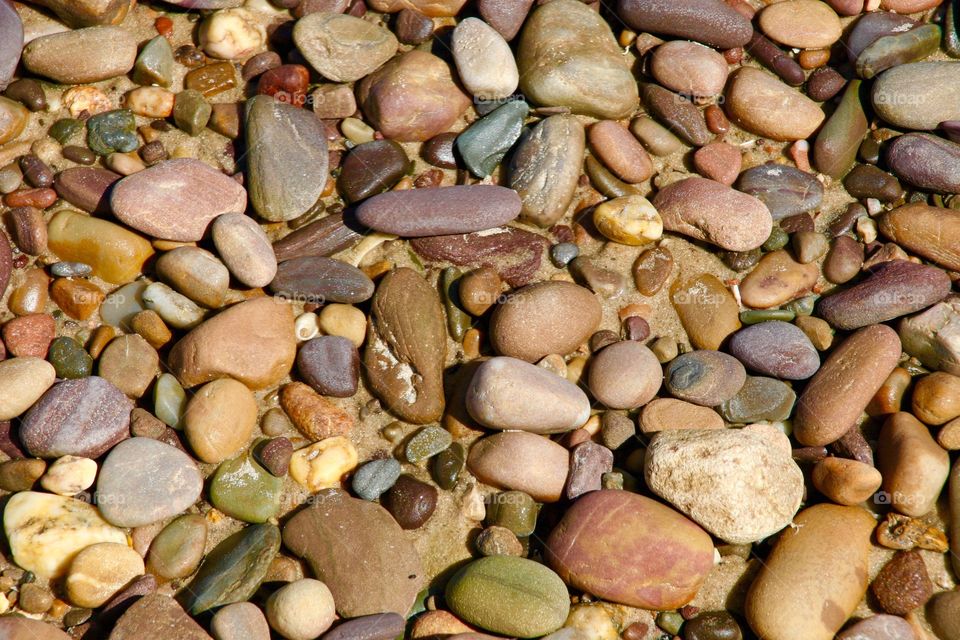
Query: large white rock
[[933, 337], [738, 484]]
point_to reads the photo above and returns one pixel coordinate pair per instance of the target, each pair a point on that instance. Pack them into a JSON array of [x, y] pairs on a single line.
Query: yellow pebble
[[322, 464], [630, 220]]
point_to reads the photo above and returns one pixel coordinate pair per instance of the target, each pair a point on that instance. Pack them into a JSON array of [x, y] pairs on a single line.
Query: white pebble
[[232, 34], [176, 310], [307, 326], [69, 475], [301, 610]]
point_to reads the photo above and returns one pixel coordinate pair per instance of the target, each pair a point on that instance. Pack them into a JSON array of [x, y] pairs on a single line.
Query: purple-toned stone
[[331, 365]]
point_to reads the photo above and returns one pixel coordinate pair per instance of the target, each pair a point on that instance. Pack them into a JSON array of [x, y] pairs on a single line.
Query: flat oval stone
[[509, 596], [129, 363], [677, 113], [87, 188], [628, 549], [837, 143], [359, 551], [441, 211], [373, 478], [341, 47], [176, 199], [318, 280], [624, 375], [514, 253], [932, 232], [83, 417], [506, 393], [777, 279], [377, 626], [894, 289], [284, 186], [244, 248], [177, 550], [785, 190], [114, 253], [760, 399], [521, 461], [762, 104], [568, 57], [926, 161], [484, 60], [331, 365], [704, 377], [708, 21], [22, 382], [196, 273], [371, 168], [143, 481], [544, 318], [82, 55], [804, 24], [872, 26], [324, 237], [899, 48], [689, 68], [707, 210], [21, 628], [914, 467], [11, 37], [620, 151], [918, 95], [777, 349]]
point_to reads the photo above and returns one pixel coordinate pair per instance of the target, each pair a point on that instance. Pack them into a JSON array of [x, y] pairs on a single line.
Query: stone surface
[[314, 416], [82, 55], [777, 349], [785, 190], [708, 21], [926, 161], [130, 364], [22, 628], [22, 382], [521, 461], [913, 465], [662, 414], [156, 615], [514, 253], [319, 280], [934, 336], [219, 419], [484, 60], [177, 550], [101, 571], [244, 248], [878, 627], [301, 610], [804, 24], [115, 254], [341, 47], [239, 621], [930, 232], [776, 280], [624, 375], [919, 95], [762, 104], [331, 365], [704, 377]]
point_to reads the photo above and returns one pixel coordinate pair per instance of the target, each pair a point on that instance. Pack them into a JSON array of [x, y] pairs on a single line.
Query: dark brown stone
[[514, 253]]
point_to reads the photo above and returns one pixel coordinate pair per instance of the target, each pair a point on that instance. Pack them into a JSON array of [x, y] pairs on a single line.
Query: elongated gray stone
[[919, 95], [11, 42]]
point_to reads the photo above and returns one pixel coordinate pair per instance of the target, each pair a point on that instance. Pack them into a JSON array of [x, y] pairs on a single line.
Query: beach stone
[[734, 483], [69, 475], [83, 55], [130, 364], [506, 16], [759, 400], [11, 34], [196, 273], [718, 161], [374, 478], [70, 359], [777, 279], [318, 279], [219, 419], [143, 481], [233, 570], [544, 318], [932, 336], [46, 531], [301, 610], [314, 416], [846, 481], [879, 627], [410, 501], [838, 393], [21, 474], [689, 68], [663, 414], [432, 8], [785, 190], [239, 621], [484, 60], [620, 151], [804, 24], [708, 311], [624, 375], [677, 113], [820, 564], [707, 210], [844, 260], [115, 254], [13, 120], [371, 168], [377, 626], [284, 186], [590, 547], [244, 248], [866, 181], [440, 211], [156, 615], [589, 462], [23, 381], [30, 335], [506, 461], [231, 34], [87, 188], [706, 378], [568, 57], [357, 549], [331, 365], [483, 145], [242, 489], [913, 465], [762, 104], [545, 167], [708, 21], [942, 615], [926, 161], [509, 596], [777, 349], [927, 231], [918, 95], [252, 342], [83, 417], [154, 63], [100, 571], [323, 465], [412, 98], [514, 253], [177, 550], [341, 47]]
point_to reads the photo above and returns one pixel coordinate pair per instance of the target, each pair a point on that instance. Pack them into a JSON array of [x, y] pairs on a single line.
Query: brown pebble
[[77, 298], [846, 481], [889, 396], [718, 161], [39, 198], [620, 151], [410, 501], [314, 416], [29, 335], [903, 584], [479, 290], [651, 270], [151, 328], [29, 230], [716, 119], [936, 398], [275, 455], [844, 260]]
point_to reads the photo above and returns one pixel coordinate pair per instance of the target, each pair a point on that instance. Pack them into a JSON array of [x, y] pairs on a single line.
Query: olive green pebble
[[69, 358], [756, 316], [112, 131], [778, 240], [607, 183], [169, 401], [64, 129], [509, 596], [426, 443], [485, 142], [78, 154], [458, 321], [670, 621], [154, 65], [191, 112], [448, 464], [244, 490], [802, 306], [513, 510]]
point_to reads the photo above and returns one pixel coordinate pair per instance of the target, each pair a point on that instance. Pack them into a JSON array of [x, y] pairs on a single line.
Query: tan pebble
[[89, 100], [669, 413], [343, 320], [804, 24], [629, 220], [620, 151], [231, 34], [275, 423], [689, 68], [219, 420], [151, 327], [471, 344], [130, 363], [760, 103], [69, 475], [936, 398], [707, 309], [30, 296], [817, 330], [777, 279], [845, 481], [100, 339], [889, 396], [949, 435], [100, 571], [479, 290], [78, 299], [150, 102], [314, 415], [324, 463], [913, 465], [434, 623], [522, 461], [116, 254], [22, 382], [125, 163]]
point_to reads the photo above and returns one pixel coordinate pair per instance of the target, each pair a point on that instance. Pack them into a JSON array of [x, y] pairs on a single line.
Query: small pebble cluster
[[490, 319]]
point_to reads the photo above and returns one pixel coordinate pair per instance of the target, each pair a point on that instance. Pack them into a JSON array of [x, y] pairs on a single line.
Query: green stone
[[233, 570], [485, 143], [835, 149], [448, 465], [154, 65], [64, 129], [898, 48], [244, 490], [759, 400], [169, 401], [778, 240], [514, 510], [427, 443], [951, 26], [670, 621], [509, 596], [756, 316], [802, 306], [458, 321], [112, 131], [69, 358], [178, 548], [191, 112]]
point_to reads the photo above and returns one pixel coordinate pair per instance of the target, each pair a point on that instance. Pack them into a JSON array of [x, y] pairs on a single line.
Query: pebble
[[510, 394], [69, 475], [410, 501], [509, 596], [486, 142], [845, 481], [284, 186], [942, 614], [663, 414], [708, 21], [377, 626], [620, 151], [301, 610], [175, 309], [242, 489], [219, 420], [112, 132], [701, 209], [11, 33], [712, 625], [736, 484], [46, 531], [31, 296], [689, 68], [625, 375], [804, 24], [191, 112], [252, 342], [331, 365], [343, 320], [412, 27], [677, 113], [154, 64], [926, 161], [30, 335], [898, 48], [448, 465], [498, 541], [371, 168], [777, 279], [318, 279], [412, 98], [13, 120], [234, 569], [143, 481], [150, 102], [835, 149], [357, 549], [211, 79], [589, 462], [820, 564], [244, 248], [35, 599], [100, 571], [484, 60], [231, 34], [239, 621], [568, 57], [115, 254], [926, 231], [878, 627], [785, 190], [83, 417], [196, 273], [177, 550], [426, 443], [86, 188], [848, 379], [21, 474], [928, 336], [844, 260], [777, 349], [706, 378], [130, 364], [629, 220], [341, 47], [761, 104], [545, 168], [82, 56], [521, 461], [374, 478], [708, 311], [29, 230], [506, 16], [759, 400], [896, 288], [155, 615], [867, 181], [718, 161], [314, 416], [479, 290], [630, 559], [913, 465], [323, 464], [404, 359], [918, 95], [902, 584], [544, 318]]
